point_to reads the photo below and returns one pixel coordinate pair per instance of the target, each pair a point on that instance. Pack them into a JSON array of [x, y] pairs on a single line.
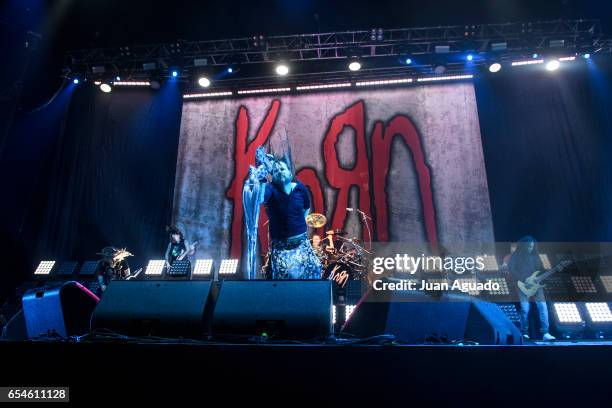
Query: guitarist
[[177, 247], [524, 261]]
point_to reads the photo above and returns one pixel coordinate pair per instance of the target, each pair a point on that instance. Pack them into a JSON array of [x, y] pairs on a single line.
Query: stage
[[559, 374]]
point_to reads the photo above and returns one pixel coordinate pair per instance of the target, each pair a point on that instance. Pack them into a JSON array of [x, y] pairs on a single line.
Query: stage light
[[567, 320], [66, 268], [260, 91], [174, 74], [503, 290], [323, 86], [117, 78], [355, 66], [552, 65], [203, 267], [155, 267], [75, 81], [88, 268], [207, 95], [470, 57], [587, 56], [495, 67], [106, 88], [97, 83], [230, 70], [511, 312], [334, 314], [567, 312], [204, 82], [583, 284], [445, 78], [348, 310], [282, 69], [385, 82], [527, 62], [490, 263], [132, 83], [535, 55], [606, 281], [228, 267], [44, 268], [545, 261], [599, 312], [565, 59], [408, 61], [439, 69]]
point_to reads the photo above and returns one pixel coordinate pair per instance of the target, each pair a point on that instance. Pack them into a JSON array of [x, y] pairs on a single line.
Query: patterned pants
[[294, 258]]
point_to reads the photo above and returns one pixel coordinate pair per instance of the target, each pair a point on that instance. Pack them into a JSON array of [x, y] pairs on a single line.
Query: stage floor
[[554, 373]]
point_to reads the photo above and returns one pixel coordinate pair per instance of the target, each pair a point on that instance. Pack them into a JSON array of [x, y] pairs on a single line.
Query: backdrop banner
[[411, 159]]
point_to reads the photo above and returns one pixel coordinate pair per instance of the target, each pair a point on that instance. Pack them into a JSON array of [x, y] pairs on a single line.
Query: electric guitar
[[533, 282], [190, 251]]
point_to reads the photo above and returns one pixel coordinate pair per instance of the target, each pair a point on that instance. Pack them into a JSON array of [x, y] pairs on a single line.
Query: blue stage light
[[174, 74], [75, 81], [470, 57], [535, 55], [118, 78], [230, 70], [587, 56], [408, 61]]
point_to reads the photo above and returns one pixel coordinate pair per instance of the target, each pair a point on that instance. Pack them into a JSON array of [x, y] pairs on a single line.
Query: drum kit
[[342, 258]]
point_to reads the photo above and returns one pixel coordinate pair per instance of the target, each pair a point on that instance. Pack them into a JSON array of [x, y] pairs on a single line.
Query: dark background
[[87, 169]]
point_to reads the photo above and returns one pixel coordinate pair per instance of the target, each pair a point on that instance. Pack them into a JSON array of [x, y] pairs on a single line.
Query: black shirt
[[174, 250], [521, 266], [286, 212], [108, 273]]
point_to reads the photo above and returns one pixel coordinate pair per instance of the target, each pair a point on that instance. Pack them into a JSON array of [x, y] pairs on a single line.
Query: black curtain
[[112, 178], [547, 146]]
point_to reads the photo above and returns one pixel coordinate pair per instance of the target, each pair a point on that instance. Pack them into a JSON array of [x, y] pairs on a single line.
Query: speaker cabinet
[[159, 308], [287, 309]]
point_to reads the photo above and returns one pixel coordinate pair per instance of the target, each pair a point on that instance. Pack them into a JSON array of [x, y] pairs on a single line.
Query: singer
[[287, 204]]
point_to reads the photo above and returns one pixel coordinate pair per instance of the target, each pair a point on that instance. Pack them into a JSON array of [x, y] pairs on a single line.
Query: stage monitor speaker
[[285, 309], [156, 308], [416, 318], [62, 310]]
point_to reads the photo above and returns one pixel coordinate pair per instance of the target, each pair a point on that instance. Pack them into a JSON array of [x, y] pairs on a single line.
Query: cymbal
[[335, 232], [315, 220]]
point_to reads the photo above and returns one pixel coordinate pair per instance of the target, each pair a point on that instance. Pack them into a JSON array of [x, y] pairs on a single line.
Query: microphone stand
[[365, 219]]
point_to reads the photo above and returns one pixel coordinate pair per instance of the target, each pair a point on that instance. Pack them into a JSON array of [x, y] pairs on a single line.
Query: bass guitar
[[530, 286]]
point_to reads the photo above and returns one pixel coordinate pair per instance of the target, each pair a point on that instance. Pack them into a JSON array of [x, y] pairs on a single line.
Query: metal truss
[[575, 35]]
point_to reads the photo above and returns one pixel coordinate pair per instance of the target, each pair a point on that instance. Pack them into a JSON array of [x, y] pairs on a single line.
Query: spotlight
[[495, 67], [470, 57], [230, 70], [228, 267], [204, 82], [155, 267], [408, 61], [282, 69], [535, 55], [174, 74], [567, 320], [106, 88], [203, 267], [552, 65], [439, 69], [355, 66], [44, 268], [587, 56], [117, 78], [75, 81]]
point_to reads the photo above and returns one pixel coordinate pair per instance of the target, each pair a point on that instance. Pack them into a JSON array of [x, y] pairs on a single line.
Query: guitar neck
[[550, 272]]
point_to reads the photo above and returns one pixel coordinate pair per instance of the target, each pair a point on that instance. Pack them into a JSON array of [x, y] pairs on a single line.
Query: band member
[[287, 204], [112, 266], [177, 247], [523, 262]]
